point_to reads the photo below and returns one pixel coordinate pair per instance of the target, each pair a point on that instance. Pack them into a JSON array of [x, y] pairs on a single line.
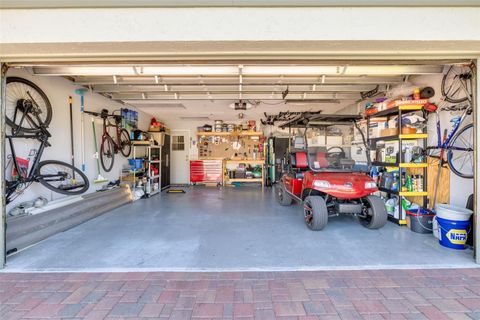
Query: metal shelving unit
[[400, 164], [153, 180], [153, 155]]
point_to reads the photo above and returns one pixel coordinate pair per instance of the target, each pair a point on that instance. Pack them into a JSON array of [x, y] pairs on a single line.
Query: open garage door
[[187, 95]]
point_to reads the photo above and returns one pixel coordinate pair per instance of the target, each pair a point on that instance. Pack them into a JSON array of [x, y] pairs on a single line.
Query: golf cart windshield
[[330, 142]]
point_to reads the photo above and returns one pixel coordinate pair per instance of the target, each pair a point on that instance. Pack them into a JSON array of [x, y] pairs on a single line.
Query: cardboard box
[[376, 125], [391, 151]]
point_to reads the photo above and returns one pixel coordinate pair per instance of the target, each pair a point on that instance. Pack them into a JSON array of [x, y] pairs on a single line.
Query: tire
[[282, 195], [315, 212], [18, 89], [70, 175], [107, 153], [125, 143], [448, 77], [465, 136], [377, 213]]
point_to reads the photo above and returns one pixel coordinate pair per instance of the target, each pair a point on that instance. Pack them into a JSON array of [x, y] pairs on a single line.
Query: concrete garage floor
[[229, 229]]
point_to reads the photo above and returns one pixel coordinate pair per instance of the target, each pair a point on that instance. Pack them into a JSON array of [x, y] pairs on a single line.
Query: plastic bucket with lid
[[453, 234], [449, 212]]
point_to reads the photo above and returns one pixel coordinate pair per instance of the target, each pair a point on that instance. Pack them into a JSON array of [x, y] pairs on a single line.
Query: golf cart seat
[[298, 161]]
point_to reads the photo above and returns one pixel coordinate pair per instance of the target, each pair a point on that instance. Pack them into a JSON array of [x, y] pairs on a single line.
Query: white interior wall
[[57, 90]]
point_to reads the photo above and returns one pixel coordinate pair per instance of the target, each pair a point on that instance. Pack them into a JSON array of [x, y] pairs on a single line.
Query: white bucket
[[449, 212]]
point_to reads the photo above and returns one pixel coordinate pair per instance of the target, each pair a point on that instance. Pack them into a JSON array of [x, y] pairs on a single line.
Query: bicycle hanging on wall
[[28, 114], [110, 146], [457, 145]]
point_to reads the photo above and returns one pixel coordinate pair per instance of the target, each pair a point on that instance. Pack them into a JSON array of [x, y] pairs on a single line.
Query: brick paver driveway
[[369, 294]]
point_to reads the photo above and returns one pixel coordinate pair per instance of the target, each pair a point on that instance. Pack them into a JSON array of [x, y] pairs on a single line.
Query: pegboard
[[223, 147]]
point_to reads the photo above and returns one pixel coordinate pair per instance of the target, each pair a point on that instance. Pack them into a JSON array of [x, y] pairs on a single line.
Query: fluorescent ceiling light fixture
[[137, 71], [252, 70]]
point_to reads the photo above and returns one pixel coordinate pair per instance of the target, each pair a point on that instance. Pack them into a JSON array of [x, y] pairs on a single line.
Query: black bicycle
[[28, 113]]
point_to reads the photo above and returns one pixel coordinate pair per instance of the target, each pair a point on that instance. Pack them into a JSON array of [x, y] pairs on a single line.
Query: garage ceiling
[[201, 91], [150, 84]]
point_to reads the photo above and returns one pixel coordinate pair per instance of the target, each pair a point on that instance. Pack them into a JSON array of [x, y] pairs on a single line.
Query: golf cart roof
[[319, 120]]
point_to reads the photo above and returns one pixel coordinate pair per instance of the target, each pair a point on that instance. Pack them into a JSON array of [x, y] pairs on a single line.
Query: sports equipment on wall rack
[[29, 116]]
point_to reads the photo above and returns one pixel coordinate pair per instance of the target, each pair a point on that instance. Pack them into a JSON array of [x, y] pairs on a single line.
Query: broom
[[100, 178]]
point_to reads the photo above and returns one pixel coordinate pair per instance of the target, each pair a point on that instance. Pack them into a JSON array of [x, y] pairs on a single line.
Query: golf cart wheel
[[376, 213], [315, 212], [282, 195]]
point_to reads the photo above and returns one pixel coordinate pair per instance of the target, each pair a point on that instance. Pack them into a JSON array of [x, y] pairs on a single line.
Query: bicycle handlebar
[[456, 108], [103, 114], [92, 113]]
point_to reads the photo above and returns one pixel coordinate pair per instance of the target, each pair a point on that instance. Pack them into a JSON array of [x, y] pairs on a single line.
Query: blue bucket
[[453, 234], [135, 164]]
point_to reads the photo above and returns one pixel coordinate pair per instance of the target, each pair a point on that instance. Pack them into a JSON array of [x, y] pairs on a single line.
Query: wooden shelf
[[141, 143], [246, 161], [246, 180], [219, 134]]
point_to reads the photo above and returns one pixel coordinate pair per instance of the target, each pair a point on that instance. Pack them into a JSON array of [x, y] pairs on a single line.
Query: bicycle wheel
[[457, 84], [460, 159], [125, 143], [27, 106], [62, 177], [107, 153]]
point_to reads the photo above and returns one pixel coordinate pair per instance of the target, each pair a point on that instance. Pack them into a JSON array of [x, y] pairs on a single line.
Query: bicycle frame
[[116, 142], [457, 121], [31, 177]]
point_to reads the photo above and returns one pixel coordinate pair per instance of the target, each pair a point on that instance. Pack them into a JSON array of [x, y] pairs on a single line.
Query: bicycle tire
[[48, 106], [105, 154], [78, 173], [445, 94], [124, 144], [451, 153]]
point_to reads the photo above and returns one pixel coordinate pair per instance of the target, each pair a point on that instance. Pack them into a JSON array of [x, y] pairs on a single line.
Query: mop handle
[[82, 133], [95, 143], [70, 104]]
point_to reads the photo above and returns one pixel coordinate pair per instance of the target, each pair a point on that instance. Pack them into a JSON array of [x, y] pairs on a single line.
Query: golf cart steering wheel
[[335, 153], [339, 153]]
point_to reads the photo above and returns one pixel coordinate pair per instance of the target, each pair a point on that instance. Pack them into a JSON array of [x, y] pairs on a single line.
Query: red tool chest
[[206, 171]]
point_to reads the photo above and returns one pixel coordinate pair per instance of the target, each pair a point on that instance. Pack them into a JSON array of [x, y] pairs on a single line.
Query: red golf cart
[[325, 179]]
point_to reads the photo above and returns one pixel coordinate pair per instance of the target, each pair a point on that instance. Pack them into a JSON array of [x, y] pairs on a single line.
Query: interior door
[[180, 150], [166, 162]]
